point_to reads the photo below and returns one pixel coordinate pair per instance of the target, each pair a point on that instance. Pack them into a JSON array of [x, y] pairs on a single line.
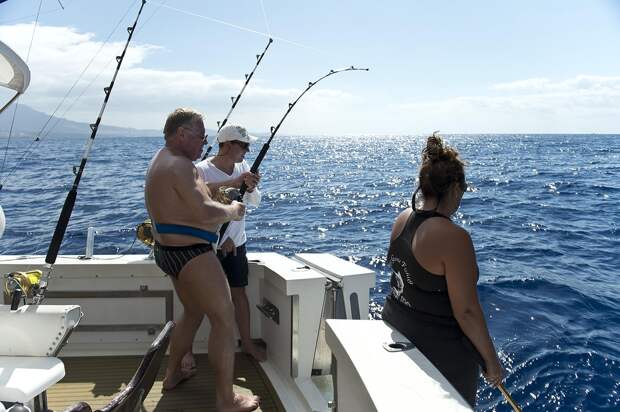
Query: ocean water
[[543, 212]]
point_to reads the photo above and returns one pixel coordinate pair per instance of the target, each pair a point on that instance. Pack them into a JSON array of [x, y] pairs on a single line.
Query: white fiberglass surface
[[14, 73]]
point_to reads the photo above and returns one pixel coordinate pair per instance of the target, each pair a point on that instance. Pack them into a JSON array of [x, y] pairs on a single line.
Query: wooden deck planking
[[96, 380]]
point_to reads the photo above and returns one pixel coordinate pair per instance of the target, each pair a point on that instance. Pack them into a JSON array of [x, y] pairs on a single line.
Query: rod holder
[[398, 346], [90, 243]]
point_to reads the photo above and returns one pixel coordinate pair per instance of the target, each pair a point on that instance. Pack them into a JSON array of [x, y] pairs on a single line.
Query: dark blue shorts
[[235, 267]]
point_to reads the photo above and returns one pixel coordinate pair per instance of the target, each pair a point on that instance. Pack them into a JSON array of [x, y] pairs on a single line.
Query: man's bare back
[[172, 181]]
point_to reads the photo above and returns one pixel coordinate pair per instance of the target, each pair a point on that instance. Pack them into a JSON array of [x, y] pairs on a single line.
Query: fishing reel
[[144, 233], [22, 284], [226, 195]]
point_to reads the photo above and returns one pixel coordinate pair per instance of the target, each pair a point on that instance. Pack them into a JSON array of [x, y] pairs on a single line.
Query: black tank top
[[412, 285]]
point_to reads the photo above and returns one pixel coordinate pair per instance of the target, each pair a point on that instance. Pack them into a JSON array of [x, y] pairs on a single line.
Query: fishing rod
[[235, 100], [513, 404], [67, 209], [500, 386], [275, 129]]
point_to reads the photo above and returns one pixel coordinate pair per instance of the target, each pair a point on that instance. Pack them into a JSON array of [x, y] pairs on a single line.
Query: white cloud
[[582, 104], [142, 96], [583, 83]]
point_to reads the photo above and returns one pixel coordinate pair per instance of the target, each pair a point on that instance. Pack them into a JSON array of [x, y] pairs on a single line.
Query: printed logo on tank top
[[400, 274]]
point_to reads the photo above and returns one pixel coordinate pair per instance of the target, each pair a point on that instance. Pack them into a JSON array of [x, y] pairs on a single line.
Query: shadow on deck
[[97, 379]]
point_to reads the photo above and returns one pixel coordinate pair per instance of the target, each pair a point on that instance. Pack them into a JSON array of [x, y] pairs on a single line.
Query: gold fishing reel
[[144, 233], [27, 282], [225, 195]]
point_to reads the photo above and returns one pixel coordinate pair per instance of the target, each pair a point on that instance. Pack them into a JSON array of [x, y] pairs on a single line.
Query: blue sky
[[457, 66]]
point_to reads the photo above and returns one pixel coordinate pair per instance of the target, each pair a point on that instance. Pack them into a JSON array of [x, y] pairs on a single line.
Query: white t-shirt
[[211, 174]]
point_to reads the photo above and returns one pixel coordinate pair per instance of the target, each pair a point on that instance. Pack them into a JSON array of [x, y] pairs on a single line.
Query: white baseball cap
[[232, 132]]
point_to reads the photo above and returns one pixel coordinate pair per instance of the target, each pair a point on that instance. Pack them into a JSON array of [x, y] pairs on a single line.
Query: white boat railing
[[372, 376], [127, 299]]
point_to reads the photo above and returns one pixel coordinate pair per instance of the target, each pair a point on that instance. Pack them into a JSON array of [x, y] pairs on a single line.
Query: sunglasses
[[203, 138], [243, 145]]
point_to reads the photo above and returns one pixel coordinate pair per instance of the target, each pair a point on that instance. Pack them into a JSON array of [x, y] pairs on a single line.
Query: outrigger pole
[[275, 129], [235, 100], [67, 209]]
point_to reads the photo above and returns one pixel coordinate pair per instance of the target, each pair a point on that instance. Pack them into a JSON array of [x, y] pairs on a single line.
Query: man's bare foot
[[256, 351], [172, 381], [188, 363], [241, 403]]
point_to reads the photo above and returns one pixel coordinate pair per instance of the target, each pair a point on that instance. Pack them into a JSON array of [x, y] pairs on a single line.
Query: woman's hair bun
[[434, 149], [441, 166]]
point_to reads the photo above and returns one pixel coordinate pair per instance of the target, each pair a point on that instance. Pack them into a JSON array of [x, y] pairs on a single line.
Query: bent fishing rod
[[274, 130], [67, 209], [235, 100]]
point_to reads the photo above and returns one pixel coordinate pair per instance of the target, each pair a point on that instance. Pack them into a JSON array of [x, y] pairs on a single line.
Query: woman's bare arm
[[461, 277], [400, 222]]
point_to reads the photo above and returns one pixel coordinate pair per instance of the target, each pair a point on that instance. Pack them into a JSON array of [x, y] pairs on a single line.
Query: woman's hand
[[494, 373]]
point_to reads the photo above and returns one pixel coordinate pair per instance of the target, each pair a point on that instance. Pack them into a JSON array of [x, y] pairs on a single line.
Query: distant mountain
[[28, 123]]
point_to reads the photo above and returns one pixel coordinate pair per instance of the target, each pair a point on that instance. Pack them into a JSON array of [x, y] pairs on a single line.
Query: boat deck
[[96, 380]]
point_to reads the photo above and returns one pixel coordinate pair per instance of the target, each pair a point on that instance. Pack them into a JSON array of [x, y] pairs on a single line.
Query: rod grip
[[242, 190], [15, 298]]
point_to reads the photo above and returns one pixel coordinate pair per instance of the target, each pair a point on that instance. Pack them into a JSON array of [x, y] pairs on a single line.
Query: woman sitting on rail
[[433, 300]]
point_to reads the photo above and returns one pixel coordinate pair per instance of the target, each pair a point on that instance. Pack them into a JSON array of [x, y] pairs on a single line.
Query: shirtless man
[[185, 219]]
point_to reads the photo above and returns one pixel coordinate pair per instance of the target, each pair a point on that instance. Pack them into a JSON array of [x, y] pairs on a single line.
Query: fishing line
[[235, 100], [98, 74], [68, 109], [17, 19], [235, 26], [105, 67], [38, 137], [67, 209], [274, 130], [262, 6], [148, 19], [86, 68], [34, 29]]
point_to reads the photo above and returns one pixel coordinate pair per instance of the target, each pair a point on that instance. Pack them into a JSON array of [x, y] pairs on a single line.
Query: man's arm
[[187, 185]]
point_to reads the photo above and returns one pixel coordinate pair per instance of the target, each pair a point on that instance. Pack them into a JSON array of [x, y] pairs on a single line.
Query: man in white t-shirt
[[229, 169]]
